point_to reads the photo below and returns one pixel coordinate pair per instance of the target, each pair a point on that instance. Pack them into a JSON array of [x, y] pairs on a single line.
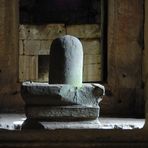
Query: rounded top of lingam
[[66, 61]]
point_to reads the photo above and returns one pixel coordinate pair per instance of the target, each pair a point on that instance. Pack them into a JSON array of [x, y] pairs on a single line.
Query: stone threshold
[[14, 122]]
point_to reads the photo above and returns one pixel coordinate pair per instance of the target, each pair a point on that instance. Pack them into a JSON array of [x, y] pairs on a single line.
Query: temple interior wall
[[13, 53]]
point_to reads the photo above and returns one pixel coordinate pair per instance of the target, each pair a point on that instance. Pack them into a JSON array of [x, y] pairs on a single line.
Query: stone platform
[[61, 102], [62, 113], [15, 121]]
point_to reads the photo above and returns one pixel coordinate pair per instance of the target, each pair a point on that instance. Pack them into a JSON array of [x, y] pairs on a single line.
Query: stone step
[[62, 113]]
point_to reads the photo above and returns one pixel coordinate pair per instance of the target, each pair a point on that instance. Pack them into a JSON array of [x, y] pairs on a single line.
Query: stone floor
[[14, 122]]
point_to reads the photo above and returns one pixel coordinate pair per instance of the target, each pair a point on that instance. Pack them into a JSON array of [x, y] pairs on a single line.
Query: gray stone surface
[[62, 113], [15, 121], [35, 93], [66, 61]]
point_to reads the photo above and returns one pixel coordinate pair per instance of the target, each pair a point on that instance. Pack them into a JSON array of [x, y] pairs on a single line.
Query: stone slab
[[34, 47], [92, 59], [33, 32], [84, 31], [31, 47], [28, 68], [92, 72], [35, 93], [62, 113], [45, 47], [14, 122], [91, 46], [90, 124]]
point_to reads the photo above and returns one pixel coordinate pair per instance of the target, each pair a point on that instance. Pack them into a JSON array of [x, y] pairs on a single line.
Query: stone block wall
[[34, 48]]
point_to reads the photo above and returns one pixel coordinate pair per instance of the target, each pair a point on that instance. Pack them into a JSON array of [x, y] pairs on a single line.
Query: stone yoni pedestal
[[64, 98]]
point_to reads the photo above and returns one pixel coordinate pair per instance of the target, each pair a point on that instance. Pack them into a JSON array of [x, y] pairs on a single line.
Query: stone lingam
[[65, 97]]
